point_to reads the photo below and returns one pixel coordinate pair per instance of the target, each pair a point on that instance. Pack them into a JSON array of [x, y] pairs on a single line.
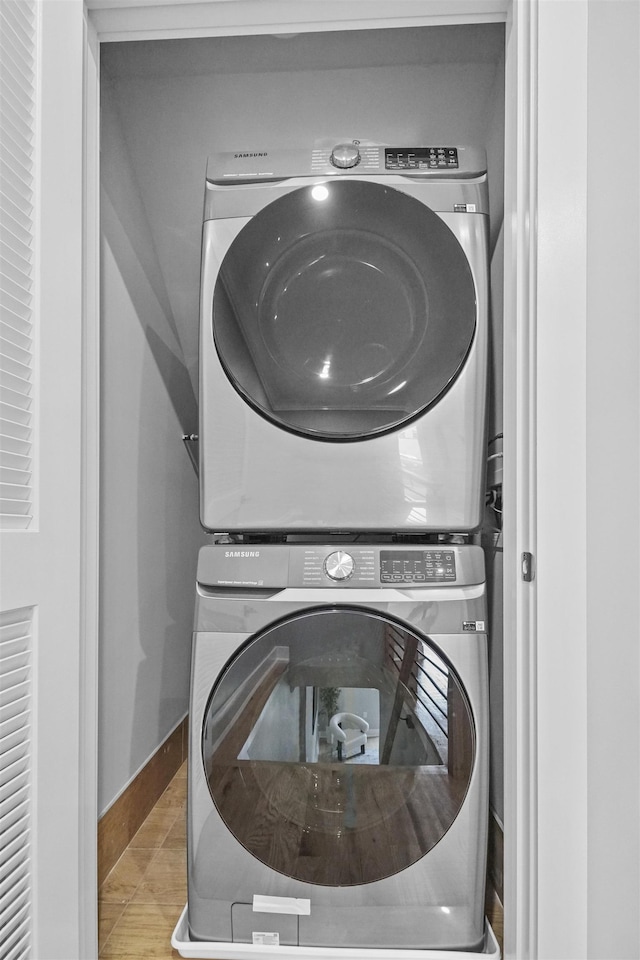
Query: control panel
[[369, 567], [349, 157], [421, 158], [374, 159], [413, 566], [344, 566]]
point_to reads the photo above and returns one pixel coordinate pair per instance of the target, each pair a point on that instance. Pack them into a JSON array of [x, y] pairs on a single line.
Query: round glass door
[[343, 310], [338, 746]]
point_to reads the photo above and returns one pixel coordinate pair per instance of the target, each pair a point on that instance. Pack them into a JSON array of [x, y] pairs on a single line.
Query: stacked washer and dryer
[[338, 763]]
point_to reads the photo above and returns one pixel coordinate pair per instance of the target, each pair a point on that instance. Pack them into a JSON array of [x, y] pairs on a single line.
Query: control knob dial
[[345, 155], [339, 565]]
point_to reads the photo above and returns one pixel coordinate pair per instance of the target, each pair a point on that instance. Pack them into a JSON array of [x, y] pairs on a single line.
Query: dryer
[[298, 837], [343, 340]]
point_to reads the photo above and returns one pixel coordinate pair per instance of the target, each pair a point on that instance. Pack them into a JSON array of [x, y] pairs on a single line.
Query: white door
[[41, 381]]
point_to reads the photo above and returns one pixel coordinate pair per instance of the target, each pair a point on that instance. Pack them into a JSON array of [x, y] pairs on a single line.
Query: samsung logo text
[[242, 553]]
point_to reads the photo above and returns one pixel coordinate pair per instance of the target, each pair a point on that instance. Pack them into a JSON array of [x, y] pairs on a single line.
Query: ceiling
[[420, 46]]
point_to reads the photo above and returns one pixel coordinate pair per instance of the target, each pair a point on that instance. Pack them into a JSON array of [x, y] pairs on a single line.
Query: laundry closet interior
[[166, 106]]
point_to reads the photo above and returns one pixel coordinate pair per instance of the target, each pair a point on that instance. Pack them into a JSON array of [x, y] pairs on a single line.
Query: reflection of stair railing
[[427, 700], [424, 679], [403, 658], [425, 676], [236, 719]]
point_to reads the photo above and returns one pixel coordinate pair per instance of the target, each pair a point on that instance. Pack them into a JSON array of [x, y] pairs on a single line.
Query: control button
[[339, 565], [345, 155]]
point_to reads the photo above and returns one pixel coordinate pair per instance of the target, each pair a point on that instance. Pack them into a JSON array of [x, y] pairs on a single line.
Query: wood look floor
[[143, 896]]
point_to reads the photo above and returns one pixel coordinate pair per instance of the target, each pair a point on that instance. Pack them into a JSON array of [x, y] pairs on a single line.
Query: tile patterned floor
[[143, 896]]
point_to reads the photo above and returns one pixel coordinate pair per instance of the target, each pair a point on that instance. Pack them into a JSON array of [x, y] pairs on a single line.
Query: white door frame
[[533, 423]]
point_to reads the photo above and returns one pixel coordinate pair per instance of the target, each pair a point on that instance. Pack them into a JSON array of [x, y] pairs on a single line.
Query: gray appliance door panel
[[427, 474], [343, 310], [338, 746], [439, 898]]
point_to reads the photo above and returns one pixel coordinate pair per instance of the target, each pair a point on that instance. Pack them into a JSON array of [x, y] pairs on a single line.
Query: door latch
[[528, 567]]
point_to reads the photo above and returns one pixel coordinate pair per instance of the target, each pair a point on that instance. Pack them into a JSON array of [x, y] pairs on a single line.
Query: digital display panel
[[417, 566], [421, 158]]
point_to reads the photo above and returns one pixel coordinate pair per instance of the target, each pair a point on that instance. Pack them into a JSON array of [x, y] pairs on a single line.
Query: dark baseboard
[[125, 816]]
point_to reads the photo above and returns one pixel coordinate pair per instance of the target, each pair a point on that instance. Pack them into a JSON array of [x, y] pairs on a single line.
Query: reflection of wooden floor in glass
[[335, 823]]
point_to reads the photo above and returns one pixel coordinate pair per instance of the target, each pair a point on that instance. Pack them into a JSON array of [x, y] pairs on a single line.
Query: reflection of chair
[[349, 741]]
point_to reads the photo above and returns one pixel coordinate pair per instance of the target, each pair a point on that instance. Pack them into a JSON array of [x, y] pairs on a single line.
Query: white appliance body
[[343, 346], [290, 845]]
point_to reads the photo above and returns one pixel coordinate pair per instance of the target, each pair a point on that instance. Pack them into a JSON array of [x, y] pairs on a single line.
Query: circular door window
[[338, 746], [343, 310]]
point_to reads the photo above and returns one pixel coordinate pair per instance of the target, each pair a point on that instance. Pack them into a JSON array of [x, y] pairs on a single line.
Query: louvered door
[[17, 255], [15, 783], [18, 93], [41, 71]]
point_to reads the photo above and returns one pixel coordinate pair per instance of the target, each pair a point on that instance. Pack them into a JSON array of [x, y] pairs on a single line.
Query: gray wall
[[149, 503], [167, 105]]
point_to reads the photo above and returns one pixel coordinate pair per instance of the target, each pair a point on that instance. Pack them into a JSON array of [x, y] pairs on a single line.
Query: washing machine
[[338, 771], [343, 339]]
